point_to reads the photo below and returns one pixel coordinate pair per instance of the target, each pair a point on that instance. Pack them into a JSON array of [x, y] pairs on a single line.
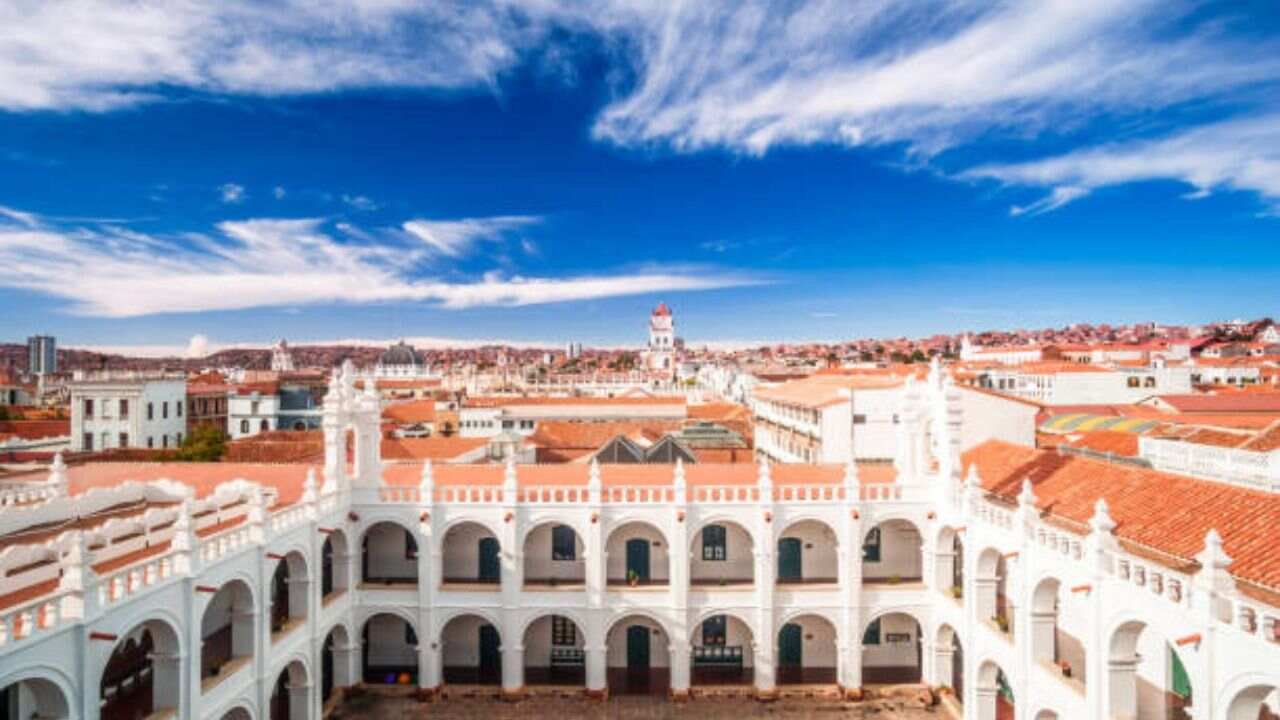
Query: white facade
[[1089, 385], [883, 585], [127, 410], [251, 413], [660, 354]]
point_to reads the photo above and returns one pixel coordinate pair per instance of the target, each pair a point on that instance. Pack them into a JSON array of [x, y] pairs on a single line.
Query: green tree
[[206, 443]]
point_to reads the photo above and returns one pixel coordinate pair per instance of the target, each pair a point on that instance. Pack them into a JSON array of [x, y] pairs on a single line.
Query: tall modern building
[[42, 354]]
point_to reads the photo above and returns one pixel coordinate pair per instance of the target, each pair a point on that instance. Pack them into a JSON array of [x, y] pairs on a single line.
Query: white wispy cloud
[[231, 193], [360, 202], [116, 272], [279, 192], [1233, 155], [455, 237]]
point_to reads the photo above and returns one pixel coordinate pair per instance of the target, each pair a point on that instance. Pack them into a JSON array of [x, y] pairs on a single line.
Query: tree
[[206, 443], [918, 356]]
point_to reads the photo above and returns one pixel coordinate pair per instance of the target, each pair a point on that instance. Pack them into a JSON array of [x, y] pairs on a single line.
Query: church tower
[[661, 353]]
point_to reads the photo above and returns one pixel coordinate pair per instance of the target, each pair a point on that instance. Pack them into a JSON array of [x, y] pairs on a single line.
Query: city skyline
[[536, 174]]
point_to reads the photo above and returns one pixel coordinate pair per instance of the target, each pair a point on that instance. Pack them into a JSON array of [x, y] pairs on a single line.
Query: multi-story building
[[1013, 582], [42, 355], [127, 409], [488, 416], [207, 403], [659, 355], [1067, 383], [828, 418], [253, 408]]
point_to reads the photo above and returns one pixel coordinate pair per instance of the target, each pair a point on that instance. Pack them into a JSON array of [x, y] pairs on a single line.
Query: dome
[[401, 354], [662, 309]]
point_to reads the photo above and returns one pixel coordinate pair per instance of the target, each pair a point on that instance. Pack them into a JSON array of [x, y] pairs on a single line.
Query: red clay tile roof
[[1230, 403], [1106, 441], [1168, 513], [483, 401], [414, 411], [436, 448], [35, 429], [1266, 441]]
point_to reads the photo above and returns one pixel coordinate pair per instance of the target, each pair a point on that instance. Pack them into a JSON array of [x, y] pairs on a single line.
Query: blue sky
[[547, 171]]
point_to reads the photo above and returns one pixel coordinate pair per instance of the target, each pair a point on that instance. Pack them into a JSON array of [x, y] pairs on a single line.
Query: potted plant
[[1002, 622], [1066, 668], [957, 592], [723, 582], [633, 578], [894, 579]]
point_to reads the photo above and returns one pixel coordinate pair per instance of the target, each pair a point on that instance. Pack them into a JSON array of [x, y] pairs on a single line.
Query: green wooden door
[[638, 559], [490, 655], [790, 646], [637, 647], [488, 551], [789, 554]]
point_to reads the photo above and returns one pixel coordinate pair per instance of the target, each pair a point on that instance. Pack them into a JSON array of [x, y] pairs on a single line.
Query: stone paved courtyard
[[391, 706]]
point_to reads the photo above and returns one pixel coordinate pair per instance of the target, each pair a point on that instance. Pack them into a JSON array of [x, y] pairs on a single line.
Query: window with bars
[[714, 543], [563, 631], [715, 630]]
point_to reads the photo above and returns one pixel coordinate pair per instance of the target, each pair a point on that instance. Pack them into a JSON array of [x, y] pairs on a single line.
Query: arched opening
[[806, 652], [636, 555], [723, 555], [227, 633], [994, 693], [1046, 715], [1259, 702], [949, 563], [993, 603], [1147, 679], [891, 554], [335, 566], [807, 554], [288, 595], [721, 652], [471, 557], [389, 555], [554, 652], [471, 651], [553, 557], [891, 650], [289, 695], [639, 657], [143, 675], [35, 698], [949, 663], [237, 713], [335, 663], [389, 651], [1057, 623]]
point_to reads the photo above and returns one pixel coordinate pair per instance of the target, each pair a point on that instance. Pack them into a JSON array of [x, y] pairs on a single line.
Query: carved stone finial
[[1102, 522], [1027, 498]]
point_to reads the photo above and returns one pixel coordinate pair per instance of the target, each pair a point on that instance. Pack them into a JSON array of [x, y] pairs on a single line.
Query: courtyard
[[388, 704]]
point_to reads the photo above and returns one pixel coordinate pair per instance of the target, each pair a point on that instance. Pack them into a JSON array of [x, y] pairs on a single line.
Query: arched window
[[244, 426]]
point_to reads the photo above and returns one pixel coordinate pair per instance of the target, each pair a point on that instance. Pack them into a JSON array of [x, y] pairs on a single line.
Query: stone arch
[[335, 563], [807, 551], [990, 595], [722, 644], [891, 645], [892, 550], [290, 696], [389, 648], [289, 592], [35, 694], [1252, 701], [1145, 673], [238, 712], [948, 663], [1051, 640], [227, 630], [545, 562], [553, 645], [949, 561], [471, 552], [723, 556], [471, 648], [702, 617], [335, 660], [647, 564], [993, 692], [389, 553], [807, 649], [143, 671], [638, 647]]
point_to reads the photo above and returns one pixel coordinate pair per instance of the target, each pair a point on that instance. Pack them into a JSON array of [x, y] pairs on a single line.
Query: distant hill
[[15, 355]]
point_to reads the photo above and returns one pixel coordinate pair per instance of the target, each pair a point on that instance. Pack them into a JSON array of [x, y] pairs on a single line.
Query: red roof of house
[[1157, 511], [1261, 402], [662, 309], [413, 411]]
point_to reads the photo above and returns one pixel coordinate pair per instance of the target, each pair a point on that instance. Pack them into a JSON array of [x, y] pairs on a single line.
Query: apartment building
[[828, 418], [127, 409], [1067, 383]]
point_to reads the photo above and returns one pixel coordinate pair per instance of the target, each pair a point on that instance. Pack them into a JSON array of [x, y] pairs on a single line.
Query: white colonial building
[[127, 409], [1010, 586]]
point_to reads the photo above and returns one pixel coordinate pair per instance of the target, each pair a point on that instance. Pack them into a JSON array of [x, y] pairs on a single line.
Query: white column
[[1122, 681], [299, 701], [597, 669], [985, 703], [166, 670], [679, 649]]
